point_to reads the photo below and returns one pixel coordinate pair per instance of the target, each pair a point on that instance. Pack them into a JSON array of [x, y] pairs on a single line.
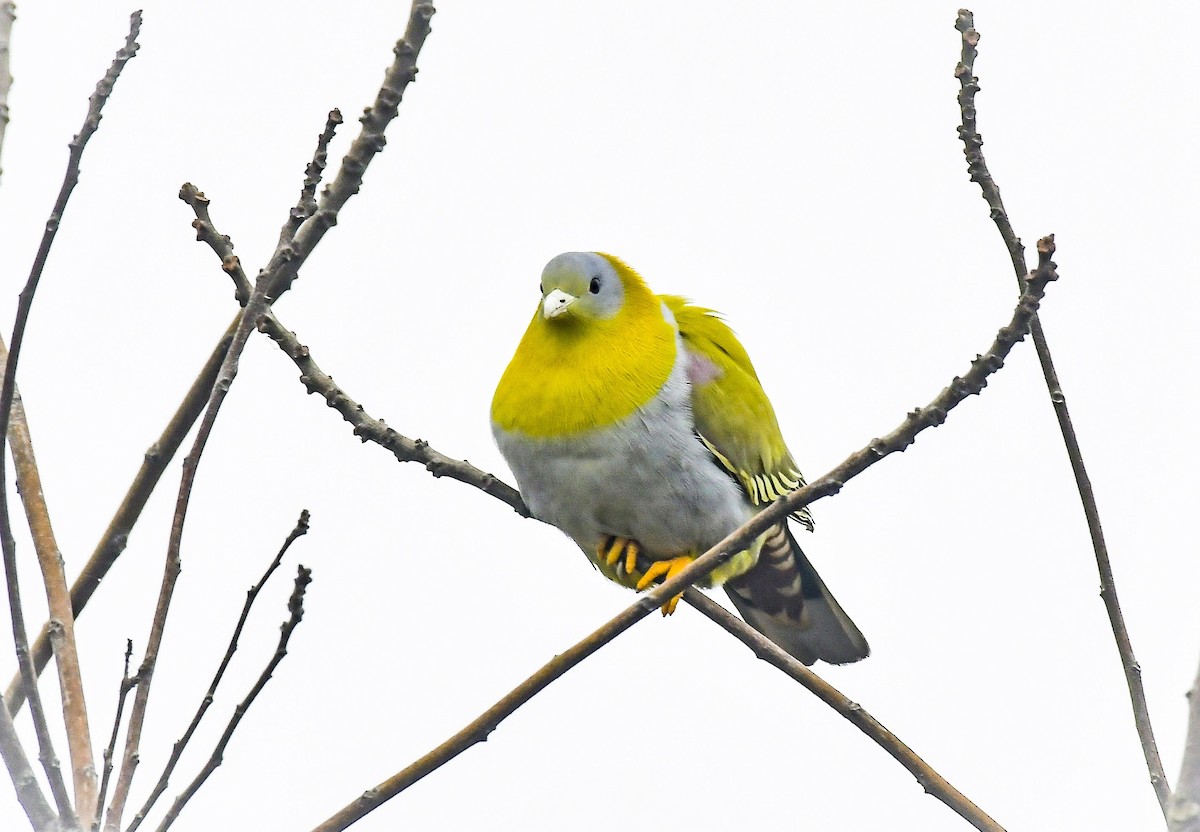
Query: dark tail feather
[[785, 599]]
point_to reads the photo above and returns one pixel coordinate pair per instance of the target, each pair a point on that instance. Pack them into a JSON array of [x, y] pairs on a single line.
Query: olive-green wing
[[733, 415]]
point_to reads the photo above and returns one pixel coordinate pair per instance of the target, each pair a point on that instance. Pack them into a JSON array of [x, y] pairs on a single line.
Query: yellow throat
[[577, 373]]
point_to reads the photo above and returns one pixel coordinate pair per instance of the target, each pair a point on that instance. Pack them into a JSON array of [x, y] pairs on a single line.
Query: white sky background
[[793, 165]]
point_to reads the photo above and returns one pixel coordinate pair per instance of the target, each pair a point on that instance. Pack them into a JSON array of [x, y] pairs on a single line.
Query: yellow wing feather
[[733, 414]]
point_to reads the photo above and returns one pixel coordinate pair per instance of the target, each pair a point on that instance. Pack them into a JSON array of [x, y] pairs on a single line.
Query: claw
[[632, 549], [666, 569], [611, 549]]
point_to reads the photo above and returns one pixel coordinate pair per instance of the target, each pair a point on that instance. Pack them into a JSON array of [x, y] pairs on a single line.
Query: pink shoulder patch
[[701, 369]]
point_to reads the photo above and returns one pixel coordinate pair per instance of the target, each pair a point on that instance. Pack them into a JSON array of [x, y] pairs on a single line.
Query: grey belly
[[647, 477]]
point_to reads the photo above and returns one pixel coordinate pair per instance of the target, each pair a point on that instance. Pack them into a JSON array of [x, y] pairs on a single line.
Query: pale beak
[[556, 303]]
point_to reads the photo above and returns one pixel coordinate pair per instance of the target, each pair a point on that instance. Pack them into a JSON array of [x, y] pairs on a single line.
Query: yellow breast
[[572, 376]]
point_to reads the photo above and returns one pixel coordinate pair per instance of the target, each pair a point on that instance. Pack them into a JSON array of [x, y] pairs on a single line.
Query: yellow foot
[[665, 569], [611, 549]]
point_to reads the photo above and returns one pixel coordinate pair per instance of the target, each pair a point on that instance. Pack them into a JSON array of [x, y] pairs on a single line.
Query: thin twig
[[116, 536], [317, 381], [932, 782], [978, 170], [369, 142], [274, 279], [29, 793], [58, 600], [173, 565], [307, 206], [296, 608], [127, 683], [8, 15], [91, 123], [180, 744], [229, 367], [231, 266], [374, 430], [831, 483], [1184, 812]]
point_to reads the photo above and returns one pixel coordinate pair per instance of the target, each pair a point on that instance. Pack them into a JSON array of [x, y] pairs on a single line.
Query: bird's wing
[[733, 415]]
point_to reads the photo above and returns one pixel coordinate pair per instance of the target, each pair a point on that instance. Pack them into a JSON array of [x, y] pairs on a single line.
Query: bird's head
[[600, 346], [584, 286]]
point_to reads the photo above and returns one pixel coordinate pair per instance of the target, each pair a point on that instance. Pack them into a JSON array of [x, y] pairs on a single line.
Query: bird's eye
[[541, 289], [594, 286]]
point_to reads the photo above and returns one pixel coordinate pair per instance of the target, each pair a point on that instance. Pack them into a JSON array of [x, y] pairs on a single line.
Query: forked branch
[[177, 750], [932, 782], [296, 608], [61, 624], [898, 440], [978, 170], [274, 279]]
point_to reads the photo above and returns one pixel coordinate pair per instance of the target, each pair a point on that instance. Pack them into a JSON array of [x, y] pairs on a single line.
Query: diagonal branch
[[300, 530], [307, 206], [296, 608], [369, 142], [271, 282], [116, 536], [29, 793], [58, 599], [1183, 814], [932, 782], [84, 767], [127, 683], [978, 170], [173, 565], [316, 380], [831, 483], [368, 429]]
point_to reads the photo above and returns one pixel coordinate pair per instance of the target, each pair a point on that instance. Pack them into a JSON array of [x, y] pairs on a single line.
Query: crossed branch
[[305, 226]]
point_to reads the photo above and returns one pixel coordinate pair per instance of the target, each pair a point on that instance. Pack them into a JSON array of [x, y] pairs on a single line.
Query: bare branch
[[1183, 814], [296, 608], [307, 206], [978, 170], [317, 381], [221, 244], [205, 233], [84, 768], [173, 565], [366, 145], [374, 430], [8, 14], [116, 536], [271, 281], [180, 744], [932, 782], [58, 599], [899, 439], [29, 793], [127, 683]]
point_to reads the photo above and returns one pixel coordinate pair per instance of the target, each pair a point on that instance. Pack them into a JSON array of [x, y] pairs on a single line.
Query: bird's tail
[[785, 599]]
